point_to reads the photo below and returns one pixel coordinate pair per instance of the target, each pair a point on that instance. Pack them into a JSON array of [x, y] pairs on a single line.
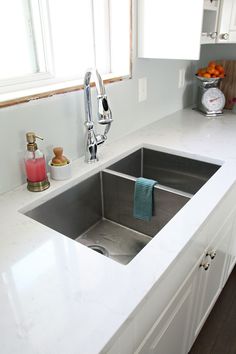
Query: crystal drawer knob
[[205, 266], [225, 36], [213, 35], [211, 254]]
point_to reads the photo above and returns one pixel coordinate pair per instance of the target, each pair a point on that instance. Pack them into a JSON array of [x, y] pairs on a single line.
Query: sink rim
[[57, 188]]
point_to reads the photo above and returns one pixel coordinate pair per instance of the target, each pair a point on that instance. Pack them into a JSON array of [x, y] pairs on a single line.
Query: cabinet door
[[169, 29], [232, 27], [210, 21], [210, 280], [169, 334], [233, 18], [232, 248], [227, 22]]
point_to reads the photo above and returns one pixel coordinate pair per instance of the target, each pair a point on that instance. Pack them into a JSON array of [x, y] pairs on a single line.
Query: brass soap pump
[[35, 165]]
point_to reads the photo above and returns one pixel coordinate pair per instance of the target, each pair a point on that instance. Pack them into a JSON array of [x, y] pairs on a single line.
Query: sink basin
[[98, 212], [174, 171]]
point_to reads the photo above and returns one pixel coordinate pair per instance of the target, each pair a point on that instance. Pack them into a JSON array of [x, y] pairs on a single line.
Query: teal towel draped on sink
[[143, 198]]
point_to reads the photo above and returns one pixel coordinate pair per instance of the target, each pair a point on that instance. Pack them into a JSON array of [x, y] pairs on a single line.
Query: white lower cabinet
[[176, 331], [170, 318], [169, 333], [232, 249], [211, 275]]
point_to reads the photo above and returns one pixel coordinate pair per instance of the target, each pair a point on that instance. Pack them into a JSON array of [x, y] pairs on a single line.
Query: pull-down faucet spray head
[[104, 112]]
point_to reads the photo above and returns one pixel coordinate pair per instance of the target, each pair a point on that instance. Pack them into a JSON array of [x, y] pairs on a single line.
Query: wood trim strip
[[50, 93]]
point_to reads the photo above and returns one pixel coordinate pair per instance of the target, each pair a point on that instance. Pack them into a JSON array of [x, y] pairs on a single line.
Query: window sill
[[44, 91]]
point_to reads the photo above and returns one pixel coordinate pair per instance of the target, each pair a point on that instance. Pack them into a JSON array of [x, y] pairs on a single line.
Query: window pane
[[49, 42], [17, 45], [102, 35], [72, 36], [120, 36]]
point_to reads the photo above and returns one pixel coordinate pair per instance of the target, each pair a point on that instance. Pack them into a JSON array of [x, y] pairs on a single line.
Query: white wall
[[59, 119]]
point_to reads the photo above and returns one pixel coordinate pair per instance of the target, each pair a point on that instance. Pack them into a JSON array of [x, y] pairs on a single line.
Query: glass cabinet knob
[[224, 36]]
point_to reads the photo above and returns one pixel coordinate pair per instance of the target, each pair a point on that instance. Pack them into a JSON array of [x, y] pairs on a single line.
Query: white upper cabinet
[[210, 21], [219, 21], [169, 29], [227, 22]]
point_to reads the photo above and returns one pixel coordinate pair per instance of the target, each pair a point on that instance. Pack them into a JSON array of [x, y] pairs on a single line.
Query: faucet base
[[87, 160]]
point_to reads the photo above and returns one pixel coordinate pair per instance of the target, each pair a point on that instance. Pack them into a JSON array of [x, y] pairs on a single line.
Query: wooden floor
[[218, 335]]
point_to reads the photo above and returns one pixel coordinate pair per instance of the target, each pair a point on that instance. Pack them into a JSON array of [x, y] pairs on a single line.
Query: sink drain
[[99, 249]]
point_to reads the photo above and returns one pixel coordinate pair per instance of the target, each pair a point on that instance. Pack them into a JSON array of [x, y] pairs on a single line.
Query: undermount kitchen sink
[[98, 212]]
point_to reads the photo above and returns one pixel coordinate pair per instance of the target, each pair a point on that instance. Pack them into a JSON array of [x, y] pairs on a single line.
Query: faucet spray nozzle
[[104, 112]]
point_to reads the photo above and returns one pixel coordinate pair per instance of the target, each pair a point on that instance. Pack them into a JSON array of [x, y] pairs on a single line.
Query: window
[[48, 45]]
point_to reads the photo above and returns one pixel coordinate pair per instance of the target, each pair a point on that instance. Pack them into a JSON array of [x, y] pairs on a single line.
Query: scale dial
[[213, 99]]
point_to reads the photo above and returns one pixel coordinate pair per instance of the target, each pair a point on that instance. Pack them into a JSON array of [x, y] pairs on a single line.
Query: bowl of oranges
[[212, 72]]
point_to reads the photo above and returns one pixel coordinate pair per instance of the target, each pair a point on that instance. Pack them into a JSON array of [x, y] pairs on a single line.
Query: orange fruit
[[210, 70], [217, 73], [201, 71], [212, 63], [220, 68], [207, 75]]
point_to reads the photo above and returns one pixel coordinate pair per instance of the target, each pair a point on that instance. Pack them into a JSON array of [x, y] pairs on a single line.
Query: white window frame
[[45, 84], [37, 11]]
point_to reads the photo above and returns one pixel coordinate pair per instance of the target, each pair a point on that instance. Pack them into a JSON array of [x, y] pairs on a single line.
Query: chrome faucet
[[104, 115]]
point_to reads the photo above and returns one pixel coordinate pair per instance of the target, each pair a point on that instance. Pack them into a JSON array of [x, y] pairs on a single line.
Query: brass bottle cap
[[31, 138]]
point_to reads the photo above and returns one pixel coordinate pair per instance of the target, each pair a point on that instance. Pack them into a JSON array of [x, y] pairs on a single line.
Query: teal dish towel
[[143, 198]]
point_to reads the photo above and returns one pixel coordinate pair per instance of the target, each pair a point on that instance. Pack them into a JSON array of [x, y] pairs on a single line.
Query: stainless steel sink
[[98, 212]]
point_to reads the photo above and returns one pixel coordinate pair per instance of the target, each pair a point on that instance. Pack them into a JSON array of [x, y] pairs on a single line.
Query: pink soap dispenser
[[35, 165]]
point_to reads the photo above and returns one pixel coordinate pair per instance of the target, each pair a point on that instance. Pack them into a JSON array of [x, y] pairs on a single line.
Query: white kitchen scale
[[210, 99]]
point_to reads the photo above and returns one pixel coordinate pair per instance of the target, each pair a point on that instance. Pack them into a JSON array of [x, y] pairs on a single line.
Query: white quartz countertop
[[58, 296]]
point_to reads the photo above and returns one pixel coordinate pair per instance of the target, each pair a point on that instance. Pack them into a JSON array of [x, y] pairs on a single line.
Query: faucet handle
[[104, 112], [100, 139]]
